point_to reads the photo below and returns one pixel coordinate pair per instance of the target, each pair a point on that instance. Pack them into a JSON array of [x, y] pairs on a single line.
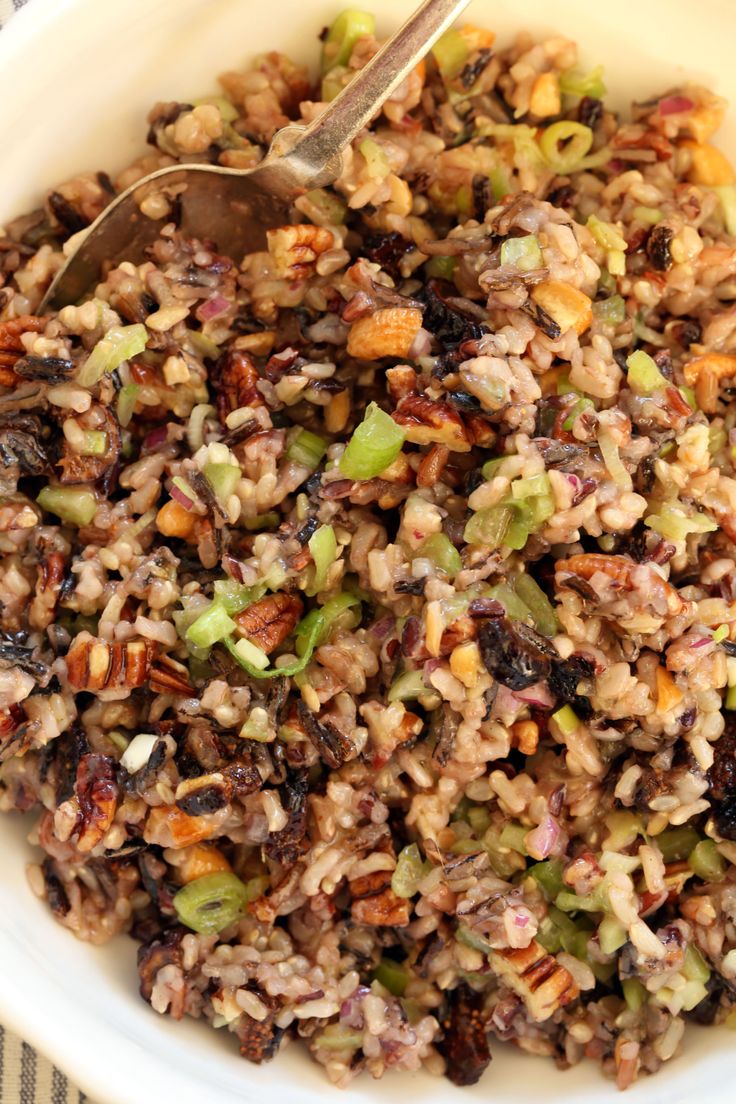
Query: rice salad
[[368, 603]]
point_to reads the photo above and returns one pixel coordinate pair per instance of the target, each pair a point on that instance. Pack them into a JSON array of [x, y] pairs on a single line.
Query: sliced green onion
[[212, 903], [119, 344], [611, 311], [674, 523], [606, 234], [346, 29], [469, 938], [306, 643], [223, 478], [706, 861], [695, 968], [643, 376], [612, 460], [211, 626], [94, 443], [392, 976], [489, 526], [126, 403], [442, 552], [611, 934], [548, 875], [564, 145], [407, 687], [376, 161], [374, 445], [69, 503], [323, 546], [580, 407], [676, 844], [479, 819], [307, 449], [538, 604], [441, 268], [523, 253], [331, 208], [451, 53], [248, 652], [409, 871], [566, 720], [324, 620], [648, 216], [635, 994], [234, 597], [727, 195], [575, 83]]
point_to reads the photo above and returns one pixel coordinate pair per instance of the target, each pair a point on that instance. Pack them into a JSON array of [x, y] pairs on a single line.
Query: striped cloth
[[25, 1076]]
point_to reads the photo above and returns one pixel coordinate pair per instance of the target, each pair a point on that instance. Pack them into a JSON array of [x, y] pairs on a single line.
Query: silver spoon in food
[[235, 207]]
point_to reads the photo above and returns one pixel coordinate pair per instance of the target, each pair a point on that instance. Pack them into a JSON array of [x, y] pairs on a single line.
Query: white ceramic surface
[[76, 80]]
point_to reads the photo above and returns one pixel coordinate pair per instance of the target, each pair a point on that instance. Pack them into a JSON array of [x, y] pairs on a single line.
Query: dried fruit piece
[[705, 374], [545, 96], [387, 332], [569, 308], [465, 1041]]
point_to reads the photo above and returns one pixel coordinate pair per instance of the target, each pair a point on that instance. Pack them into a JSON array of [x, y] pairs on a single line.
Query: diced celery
[[489, 526], [595, 901], [500, 183], [319, 623], [566, 720], [531, 486], [717, 439], [71, 504], [377, 165], [613, 461], [441, 268], [674, 523], [575, 83], [338, 1037], [490, 468], [538, 604], [392, 976], [727, 195], [606, 234], [94, 443], [307, 448], [548, 875], [479, 819], [643, 376], [706, 861], [234, 597], [257, 726], [346, 29], [611, 311], [249, 653], [211, 626], [261, 521], [211, 903], [469, 938], [611, 934], [513, 836], [635, 994], [375, 444], [676, 844], [323, 546], [223, 478], [564, 145], [516, 608], [695, 968], [522, 253], [119, 344], [648, 216], [410, 870], [451, 53], [442, 552], [407, 687], [228, 111], [580, 407], [623, 828]]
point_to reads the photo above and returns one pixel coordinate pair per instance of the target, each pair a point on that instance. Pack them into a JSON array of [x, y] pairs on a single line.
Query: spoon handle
[[314, 158]]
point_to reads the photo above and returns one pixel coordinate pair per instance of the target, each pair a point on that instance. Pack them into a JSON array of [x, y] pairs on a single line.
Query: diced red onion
[[155, 438], [520, 920], [421, 344], [702, 642], [541, 841], [213, 308], [382, 628], [181, 498], [537, 695], [430, 666], [351, 1012], [675, 105]]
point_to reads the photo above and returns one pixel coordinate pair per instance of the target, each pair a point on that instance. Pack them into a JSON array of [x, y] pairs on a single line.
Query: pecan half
[[234, 378], [537, 977], [97, 794], [269, 621], [427, 422], [94, 664], [375, 903]]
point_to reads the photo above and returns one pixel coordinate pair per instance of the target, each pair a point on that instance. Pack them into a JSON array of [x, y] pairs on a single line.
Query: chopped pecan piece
[[296, 249], [537, 977], [169, 677], [269, 621], [97, 794], [50, 575], [94, 664], [427, 422], [11, 346], [234, 378], [375, 903]]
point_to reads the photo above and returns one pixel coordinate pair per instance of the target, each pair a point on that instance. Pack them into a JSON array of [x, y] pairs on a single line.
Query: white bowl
[[76, 80]]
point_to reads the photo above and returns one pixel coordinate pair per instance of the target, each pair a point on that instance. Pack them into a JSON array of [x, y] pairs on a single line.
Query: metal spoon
[[235, 207]]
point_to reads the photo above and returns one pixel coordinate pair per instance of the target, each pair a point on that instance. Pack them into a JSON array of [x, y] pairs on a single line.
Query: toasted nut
[[569, 308], [295, 249], [198, 860], [337, 412], [537, 977], [50, 576], [387, 332], [705, 373], [97, 793], [257, 344], [168, 826], [169, 677], [401, 380], [375, 903], [235, 380], [545, 98], [174, 521], [525, 736], [427, 422], [11, 346], [432, 466], [621, 570], [669, 694], [268, 622], [94, 664], [709, 166], [465, 663]]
